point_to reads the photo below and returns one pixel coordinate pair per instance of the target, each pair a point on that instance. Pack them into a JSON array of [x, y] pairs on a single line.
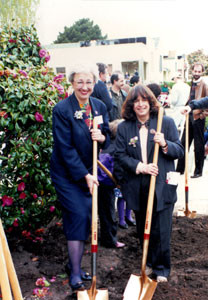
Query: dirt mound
[[188, 279]]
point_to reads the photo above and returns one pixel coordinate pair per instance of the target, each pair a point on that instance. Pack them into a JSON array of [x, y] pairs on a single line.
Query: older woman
[[71, 164], [135, 141]]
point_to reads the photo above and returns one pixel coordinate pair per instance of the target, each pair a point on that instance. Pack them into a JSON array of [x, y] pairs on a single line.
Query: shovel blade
[[139, 288], [101, 294]]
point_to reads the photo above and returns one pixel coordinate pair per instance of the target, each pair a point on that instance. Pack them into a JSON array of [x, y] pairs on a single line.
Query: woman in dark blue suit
[[71, 164], [135, 141]]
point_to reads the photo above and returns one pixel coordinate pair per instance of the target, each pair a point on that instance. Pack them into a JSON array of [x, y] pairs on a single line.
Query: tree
[[28, 92], [198, 56], [82, 30], [22, 11]]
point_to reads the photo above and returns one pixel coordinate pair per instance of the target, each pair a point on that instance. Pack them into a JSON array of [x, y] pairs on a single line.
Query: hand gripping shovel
[[7, 271], [93, 293], [187, 212], [142, 287]]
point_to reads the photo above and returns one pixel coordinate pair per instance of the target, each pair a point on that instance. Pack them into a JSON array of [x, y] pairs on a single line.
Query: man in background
[[118, 95], [199, 89], [178, 97], [100, 89]]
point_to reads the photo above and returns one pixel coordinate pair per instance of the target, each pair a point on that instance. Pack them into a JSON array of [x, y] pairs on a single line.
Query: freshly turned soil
[[188, 279]]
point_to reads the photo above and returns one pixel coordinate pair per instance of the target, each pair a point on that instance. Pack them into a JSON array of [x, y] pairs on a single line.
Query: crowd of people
[[126, 135]]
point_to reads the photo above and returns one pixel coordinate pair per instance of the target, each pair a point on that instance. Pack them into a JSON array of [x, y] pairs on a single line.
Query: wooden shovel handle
[[95, 192], [10, 266], [110, 175], [4, 280], [186, 150], [151, 194]]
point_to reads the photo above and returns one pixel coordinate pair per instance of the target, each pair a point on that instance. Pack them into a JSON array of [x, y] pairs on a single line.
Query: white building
[[130, 54]]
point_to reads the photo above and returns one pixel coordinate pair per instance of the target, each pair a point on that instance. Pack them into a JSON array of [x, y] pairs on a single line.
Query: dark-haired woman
[[135, 141]]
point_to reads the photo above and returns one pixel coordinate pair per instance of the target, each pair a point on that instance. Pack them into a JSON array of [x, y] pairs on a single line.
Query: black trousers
[[107, 215], [160, 236], [196, 133]]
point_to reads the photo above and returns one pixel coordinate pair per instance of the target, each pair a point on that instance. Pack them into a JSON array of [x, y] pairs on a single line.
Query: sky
[[181, 25]]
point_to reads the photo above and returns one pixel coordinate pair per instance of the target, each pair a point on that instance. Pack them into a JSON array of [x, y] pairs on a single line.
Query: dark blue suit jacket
[[127, 157], [101, 92], [73, 151]]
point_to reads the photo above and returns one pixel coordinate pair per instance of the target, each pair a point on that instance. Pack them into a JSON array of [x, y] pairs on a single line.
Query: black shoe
[[84, 276], [79, 286], [129, 222], [196, 175], [123, 226]]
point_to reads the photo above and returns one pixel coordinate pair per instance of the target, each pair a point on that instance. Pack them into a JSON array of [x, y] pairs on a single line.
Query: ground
[[188, 279]]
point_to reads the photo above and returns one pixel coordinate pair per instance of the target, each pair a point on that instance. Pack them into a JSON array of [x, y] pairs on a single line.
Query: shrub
[[28, 92]]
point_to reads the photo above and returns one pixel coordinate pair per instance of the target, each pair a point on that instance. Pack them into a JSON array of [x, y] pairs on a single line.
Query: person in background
[[198, 90], [165, 88], [100, 90], [72, 162], [134, 80], [178, 97], [118, 95], [155, 88], [135, 140], [106, 198]]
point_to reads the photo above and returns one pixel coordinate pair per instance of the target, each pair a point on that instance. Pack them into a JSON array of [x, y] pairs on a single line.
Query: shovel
[[187, 212], [107, 172], [7, 272], [93, 293], [142, 287]]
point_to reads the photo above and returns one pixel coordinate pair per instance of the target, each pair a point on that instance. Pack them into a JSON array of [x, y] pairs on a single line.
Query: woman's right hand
[[151, 169], [91, 180]]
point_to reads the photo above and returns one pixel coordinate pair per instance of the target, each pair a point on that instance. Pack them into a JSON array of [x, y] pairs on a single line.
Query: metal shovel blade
[[100, 294], [139, 288]]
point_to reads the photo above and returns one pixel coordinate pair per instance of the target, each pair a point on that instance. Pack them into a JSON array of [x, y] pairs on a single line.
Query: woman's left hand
[[159, 138], [97, 135]]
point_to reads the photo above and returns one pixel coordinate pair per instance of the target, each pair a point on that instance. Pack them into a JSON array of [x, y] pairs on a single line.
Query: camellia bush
[[28, 92]]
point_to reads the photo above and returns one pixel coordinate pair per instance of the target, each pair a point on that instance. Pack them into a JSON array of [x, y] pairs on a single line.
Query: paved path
[[198, 192]]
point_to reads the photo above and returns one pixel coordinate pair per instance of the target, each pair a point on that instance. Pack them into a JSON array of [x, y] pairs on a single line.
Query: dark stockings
[[75, 250]]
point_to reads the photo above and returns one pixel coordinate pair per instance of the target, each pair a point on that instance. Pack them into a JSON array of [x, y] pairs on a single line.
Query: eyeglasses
[[82, 83]]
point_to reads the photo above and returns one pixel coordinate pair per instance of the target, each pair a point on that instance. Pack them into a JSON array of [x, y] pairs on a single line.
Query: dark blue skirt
[[76, 202]]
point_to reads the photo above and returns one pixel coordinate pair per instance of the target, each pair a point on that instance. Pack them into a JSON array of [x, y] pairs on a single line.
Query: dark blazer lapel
[[135, 130], [80, 122], [95, 109], [150, 141]]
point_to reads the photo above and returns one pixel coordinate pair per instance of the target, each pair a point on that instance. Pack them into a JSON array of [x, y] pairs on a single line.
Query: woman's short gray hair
[[83, 68]]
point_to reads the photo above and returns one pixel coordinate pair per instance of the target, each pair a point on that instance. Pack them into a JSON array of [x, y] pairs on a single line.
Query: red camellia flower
[[52, 208], [23, 73], [21, 187], [42, 53], [15, 223], [22, 196], [12, 41], [39, 117], [58, 78], [35, 196], [7, 201], [47, 57]]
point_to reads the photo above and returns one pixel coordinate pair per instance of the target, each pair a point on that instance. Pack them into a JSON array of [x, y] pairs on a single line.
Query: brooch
[[133, 141], [78, 114]]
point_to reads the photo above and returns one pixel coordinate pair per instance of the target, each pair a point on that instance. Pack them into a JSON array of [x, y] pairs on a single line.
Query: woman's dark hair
[[135, 92]]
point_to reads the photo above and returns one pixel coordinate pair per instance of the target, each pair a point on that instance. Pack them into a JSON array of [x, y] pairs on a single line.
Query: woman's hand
[[91, 180], [185, 110], [97, 135], [151, 169], [159, 138]]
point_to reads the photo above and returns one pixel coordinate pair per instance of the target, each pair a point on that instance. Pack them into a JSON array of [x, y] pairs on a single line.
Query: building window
[[61, 70]]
